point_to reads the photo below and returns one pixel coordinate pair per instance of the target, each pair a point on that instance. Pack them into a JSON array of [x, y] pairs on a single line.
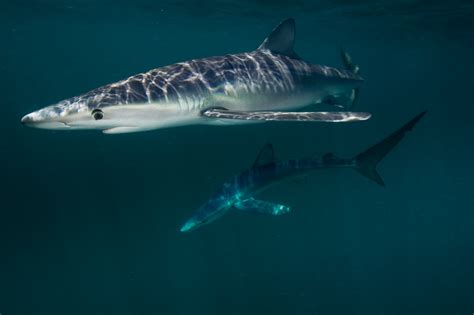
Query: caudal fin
[[352, 67], [347, 62], [366, 162]]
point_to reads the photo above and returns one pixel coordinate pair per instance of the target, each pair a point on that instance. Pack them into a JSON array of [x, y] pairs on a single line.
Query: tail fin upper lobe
[[352, 67], [366, 162]]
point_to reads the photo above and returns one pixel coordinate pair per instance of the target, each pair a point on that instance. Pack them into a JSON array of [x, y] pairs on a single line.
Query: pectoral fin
[[221, 113], [260, 206]]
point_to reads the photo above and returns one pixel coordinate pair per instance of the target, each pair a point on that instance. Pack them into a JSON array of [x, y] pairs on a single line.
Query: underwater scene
[[237, 157]]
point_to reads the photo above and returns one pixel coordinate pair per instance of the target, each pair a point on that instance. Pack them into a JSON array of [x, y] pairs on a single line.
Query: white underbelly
[[265, 102]]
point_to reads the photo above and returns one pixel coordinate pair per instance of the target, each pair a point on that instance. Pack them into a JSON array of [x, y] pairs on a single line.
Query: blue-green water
[[89, 223]]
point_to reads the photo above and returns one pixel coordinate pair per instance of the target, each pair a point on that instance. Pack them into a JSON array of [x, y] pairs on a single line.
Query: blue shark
[[239, 191], [271, 83]]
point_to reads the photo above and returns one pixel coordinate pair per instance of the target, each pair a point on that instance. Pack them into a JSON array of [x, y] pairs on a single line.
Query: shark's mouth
[[45, 124], [52, 125]]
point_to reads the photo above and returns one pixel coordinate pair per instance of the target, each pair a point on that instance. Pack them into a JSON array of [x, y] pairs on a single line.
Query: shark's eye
[[97, 114]]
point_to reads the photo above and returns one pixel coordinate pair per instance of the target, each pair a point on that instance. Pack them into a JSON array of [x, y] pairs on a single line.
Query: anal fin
[[344, 101], [262, 207]]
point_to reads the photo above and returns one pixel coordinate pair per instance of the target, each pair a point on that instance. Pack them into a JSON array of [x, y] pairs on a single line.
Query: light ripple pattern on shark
[[270, 78]]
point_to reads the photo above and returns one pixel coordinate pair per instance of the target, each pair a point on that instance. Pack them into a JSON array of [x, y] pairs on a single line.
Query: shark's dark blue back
[[274, 68]]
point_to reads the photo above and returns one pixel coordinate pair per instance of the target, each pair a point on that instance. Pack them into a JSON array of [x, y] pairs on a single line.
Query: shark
[[270, 83], [240, 190]]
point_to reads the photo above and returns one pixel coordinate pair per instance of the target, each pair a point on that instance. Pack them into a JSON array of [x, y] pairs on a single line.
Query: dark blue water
[[89, 223]]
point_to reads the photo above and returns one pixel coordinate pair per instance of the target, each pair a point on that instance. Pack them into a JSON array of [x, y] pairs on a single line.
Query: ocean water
[[89, 223]]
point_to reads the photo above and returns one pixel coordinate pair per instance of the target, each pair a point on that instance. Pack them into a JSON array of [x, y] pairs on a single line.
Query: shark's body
[[266, 84], [239, 191]]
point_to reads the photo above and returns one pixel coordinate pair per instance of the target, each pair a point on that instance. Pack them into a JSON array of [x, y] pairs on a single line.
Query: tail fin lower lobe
[[366, 162]]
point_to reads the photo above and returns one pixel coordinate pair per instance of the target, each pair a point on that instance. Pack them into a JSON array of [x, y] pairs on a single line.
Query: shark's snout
[[188, 226], [27, 119], [38, 119]]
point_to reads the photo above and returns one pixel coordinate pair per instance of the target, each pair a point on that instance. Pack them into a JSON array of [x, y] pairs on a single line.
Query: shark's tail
[[366, 162], [350, 66]]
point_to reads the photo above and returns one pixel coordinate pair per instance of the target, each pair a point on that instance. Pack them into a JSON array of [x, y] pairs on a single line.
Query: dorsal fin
[[282, 39], [265, 156]]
